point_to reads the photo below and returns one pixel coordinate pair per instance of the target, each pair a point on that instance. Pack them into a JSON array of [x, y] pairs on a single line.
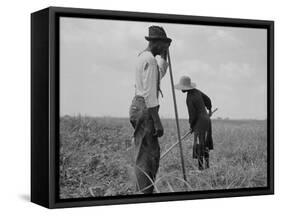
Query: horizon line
[[161, 117]]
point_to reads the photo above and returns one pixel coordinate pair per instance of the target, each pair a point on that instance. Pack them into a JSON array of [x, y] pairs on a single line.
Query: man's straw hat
[[185, 84]]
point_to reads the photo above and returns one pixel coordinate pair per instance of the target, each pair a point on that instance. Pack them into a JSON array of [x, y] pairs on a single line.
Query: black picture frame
[[45, 105]]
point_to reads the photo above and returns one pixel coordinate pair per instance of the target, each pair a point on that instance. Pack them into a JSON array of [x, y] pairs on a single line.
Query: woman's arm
[[207, 102], [191, 112]]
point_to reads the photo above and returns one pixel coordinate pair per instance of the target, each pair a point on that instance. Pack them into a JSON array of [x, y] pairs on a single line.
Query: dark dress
[[200, 122]]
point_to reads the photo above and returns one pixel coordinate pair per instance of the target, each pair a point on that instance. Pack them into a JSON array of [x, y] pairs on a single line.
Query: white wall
[[15, 106]]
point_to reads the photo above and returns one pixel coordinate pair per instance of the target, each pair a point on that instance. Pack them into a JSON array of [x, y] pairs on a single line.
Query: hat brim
[[182, 87], [158, 38]]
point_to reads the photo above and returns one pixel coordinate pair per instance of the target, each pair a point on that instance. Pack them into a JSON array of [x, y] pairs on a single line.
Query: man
[[144, 109], [199, 120]]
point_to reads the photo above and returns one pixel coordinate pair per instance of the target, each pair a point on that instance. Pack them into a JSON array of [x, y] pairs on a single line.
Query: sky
[[97, 67]]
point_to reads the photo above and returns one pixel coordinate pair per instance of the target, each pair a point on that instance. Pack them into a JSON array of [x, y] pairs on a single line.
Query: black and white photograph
[[140, 107], [151, 108]]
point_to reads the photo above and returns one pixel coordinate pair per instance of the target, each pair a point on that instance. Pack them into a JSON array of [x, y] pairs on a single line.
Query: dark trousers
[[147, 150]]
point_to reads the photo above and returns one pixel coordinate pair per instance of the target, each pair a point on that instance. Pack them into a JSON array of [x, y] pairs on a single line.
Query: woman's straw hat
[[185, 84]]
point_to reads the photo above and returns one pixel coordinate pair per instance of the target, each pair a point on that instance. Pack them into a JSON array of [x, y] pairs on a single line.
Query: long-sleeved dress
[[199, 120]]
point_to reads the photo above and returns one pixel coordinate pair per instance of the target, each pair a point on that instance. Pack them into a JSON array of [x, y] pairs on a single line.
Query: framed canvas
[[130, 107]]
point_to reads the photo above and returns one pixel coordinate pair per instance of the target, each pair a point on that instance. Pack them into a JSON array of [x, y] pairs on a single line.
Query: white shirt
[[146, 77]]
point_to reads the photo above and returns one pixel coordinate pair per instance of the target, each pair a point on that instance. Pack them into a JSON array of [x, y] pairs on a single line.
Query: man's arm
[[153, 112], [150, 83], [162, 65], [151, 100]]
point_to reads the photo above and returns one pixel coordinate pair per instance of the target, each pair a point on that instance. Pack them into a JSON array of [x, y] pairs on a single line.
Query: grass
[[96, 157]]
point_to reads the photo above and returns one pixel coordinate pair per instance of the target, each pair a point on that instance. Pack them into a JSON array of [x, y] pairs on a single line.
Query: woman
[[199, 120]]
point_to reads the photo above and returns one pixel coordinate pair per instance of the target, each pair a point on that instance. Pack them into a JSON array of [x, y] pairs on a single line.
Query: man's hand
[[164, 52], [210, 113], [153, 112], [164, 55]]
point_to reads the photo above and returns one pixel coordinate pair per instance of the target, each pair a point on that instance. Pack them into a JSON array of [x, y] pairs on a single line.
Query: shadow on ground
[[25, 197]]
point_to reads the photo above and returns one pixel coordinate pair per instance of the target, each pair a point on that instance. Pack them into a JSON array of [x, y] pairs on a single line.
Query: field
[[96, 157]]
